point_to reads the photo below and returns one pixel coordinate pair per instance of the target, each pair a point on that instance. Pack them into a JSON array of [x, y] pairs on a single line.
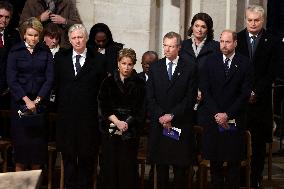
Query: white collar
[[175, 61], [231, 57], [84, 54]]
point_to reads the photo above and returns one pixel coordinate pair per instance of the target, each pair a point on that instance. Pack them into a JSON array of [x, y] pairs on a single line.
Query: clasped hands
[[222, 120], [55, 18], [165, 121], [121, 125]]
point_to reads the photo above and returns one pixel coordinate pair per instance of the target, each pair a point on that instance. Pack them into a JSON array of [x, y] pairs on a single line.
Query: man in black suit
[[171, 92], [148, 58], [8, 37], [256, 44], [225, 84], [78, 76]]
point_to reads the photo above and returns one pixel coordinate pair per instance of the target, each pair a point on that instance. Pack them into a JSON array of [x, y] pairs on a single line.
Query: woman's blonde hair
[[32, 22], [127, 52]]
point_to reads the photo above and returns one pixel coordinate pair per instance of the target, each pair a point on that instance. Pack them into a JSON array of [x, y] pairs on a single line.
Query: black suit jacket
[[77, 127], [260, 114], [176, 97], [224, 94], [11, 37]]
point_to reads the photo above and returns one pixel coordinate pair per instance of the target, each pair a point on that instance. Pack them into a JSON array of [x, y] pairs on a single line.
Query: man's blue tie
[[226, 66], [170, 70], [77, 63], [253, 41]]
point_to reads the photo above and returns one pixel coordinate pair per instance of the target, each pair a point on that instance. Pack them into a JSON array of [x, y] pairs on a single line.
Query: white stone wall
[[141, 24], [128, 20]]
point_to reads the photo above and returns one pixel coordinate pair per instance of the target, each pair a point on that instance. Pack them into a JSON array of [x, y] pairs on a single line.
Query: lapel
[[86, 67], [262, 42], [163, 70], [243, 44], [233, 68], [178, 71], [205, 49], [69, 65], [189, 49], [220, 70]]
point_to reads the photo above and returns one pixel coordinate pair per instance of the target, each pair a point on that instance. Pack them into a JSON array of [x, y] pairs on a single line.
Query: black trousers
[[119, 163], [180, 176], [225, 180], [257, 161], [78, 171]]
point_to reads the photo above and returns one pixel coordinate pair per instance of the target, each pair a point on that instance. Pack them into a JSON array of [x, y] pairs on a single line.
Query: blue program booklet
[[173, 133]]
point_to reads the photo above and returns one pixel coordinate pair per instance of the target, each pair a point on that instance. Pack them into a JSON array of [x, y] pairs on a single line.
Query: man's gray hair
[[256, 8], [78, 27]]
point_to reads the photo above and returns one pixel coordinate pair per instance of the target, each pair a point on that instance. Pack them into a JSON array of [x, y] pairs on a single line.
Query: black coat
[[11, 37], [259, 118], [77, 125], [229, 95], [188, 55], [177, 97], [128, 95]]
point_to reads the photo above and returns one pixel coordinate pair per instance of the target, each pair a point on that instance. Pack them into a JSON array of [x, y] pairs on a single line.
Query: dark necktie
[[252, 44], [1, 41], [77, 63], [226, 66], [170, 70]]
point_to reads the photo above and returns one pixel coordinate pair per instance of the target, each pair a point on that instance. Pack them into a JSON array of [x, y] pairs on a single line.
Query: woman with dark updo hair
[[200, 44]]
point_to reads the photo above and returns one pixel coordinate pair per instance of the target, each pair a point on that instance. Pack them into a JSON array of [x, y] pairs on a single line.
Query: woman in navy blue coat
[[30, 78], [199, 46]]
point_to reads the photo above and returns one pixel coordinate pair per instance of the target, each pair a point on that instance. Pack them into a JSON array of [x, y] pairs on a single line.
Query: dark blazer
[[176, 97], [11, 37], [111, 52], [30, 74], [188, 55], [142, 76], [128, 95], [260, 114], [77, 125], [224, 94]]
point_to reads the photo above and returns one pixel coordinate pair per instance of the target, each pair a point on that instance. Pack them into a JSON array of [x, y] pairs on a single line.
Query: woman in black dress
[[121, 101], [30, 78]]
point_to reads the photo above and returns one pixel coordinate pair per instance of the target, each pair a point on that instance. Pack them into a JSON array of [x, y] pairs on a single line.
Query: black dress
[[29, 75]]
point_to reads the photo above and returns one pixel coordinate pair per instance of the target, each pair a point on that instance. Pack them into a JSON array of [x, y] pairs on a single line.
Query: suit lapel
[[178, 71], [69, 65], [163, 70], [233, 68], [85, 68]]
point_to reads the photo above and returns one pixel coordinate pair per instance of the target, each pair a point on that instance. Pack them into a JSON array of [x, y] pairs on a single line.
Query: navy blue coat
[[188, 55], [30, 74], [229, 95], [176, 96]]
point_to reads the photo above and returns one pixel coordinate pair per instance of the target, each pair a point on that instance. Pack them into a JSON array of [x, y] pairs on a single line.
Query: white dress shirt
[[175, 61], [230, 59], [82, 59]]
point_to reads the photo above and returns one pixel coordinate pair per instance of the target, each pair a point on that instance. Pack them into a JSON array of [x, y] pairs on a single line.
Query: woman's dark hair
[[208, 21], [52, 30], [99, 27]]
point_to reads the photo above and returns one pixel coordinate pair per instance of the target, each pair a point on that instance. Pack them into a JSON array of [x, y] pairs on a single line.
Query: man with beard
[[225, 84]]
